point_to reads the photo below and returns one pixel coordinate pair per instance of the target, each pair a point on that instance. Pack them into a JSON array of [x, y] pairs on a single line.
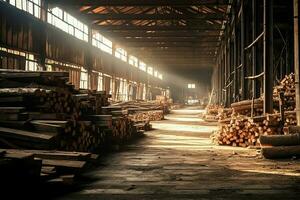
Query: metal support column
[[296, 58], [226, 77], [42, 40], [268, 56], [254, 47], [243, 70], [235, 63]]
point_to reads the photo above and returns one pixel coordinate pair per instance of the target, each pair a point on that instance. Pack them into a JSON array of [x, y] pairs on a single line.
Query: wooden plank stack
[[42, 165]]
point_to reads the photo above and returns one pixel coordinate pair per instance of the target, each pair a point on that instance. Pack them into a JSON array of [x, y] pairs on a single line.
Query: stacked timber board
[[139, 111], [42, 165]]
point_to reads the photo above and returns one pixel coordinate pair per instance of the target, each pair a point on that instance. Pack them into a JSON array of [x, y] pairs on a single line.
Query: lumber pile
[[286, 88], [271, 124], [164, 102], [154, 115], [141, 105], [139, 112], [42, 165], [175, 106], [245, 107], [239, 132], [211, 113], [44, 104], [224, 115]]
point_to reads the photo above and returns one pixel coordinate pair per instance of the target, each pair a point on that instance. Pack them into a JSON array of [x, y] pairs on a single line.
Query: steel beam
[[118, 3], [268, 56], [154, 16], [235, 62], [255, 89], [157, 27], [169, 34], [243, 70], [169, 39], [296, 58]]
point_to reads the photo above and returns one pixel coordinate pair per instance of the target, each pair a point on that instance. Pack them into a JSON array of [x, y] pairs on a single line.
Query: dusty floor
[[178, 161]]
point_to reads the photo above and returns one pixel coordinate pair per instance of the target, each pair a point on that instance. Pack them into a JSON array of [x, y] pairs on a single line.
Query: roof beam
[[170, 39], [164, 35], [191, 45], [180, 3], [194, 42], [156, 28], [122, 16]]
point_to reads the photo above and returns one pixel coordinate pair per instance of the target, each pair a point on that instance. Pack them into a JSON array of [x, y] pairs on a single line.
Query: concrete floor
[[178, 161]]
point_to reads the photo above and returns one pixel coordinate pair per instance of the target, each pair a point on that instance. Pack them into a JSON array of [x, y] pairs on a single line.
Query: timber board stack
[[41, 166], [139, 111], [247, 124]]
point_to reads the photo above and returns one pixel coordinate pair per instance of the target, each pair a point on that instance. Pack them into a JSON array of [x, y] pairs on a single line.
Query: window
[[102, 43], [84, 79], [31, 6], [150, 70], [133, 61], [155, 73], [142, 66], [67, 23], [100, 82], [191, 86], [121, 54], [31, 63], [160, 76]]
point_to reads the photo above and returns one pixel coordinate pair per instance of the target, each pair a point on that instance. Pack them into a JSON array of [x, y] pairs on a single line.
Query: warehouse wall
[[239, 60], [25, 37]]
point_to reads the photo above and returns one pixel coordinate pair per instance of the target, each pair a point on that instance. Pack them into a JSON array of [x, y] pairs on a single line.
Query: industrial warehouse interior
[[149, 99]]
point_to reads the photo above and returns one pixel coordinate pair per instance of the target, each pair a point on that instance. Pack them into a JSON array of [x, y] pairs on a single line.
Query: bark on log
[[281, 151], [280, 140]]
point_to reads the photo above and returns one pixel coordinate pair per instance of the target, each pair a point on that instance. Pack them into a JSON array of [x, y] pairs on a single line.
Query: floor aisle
[[178, 161]]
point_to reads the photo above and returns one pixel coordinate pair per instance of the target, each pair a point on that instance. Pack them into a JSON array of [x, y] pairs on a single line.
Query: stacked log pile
[[271, 124], [140, 112], [42, 109], [175, 106], [154, 115], [245, 107], [240, 132], [286, 87], [211, 113], [164, 102], [224, 115]]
